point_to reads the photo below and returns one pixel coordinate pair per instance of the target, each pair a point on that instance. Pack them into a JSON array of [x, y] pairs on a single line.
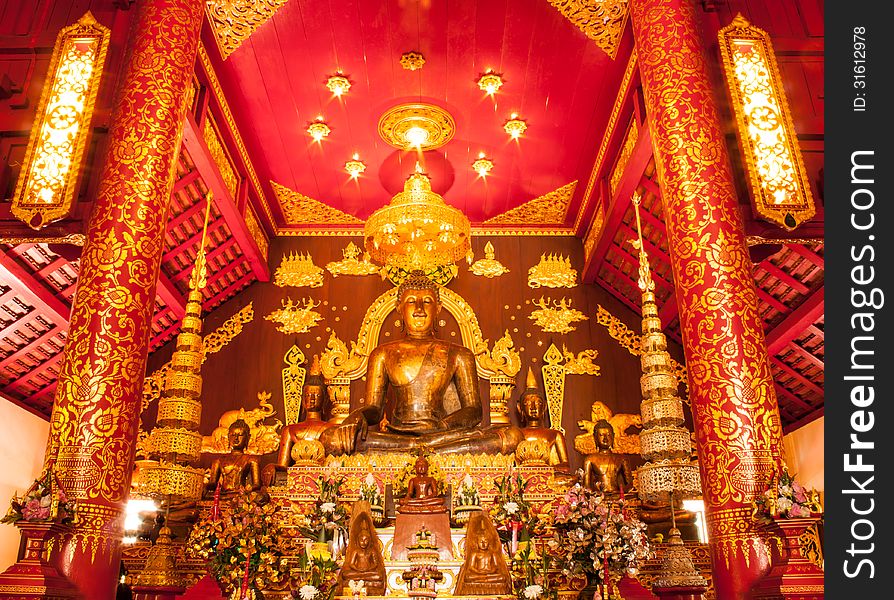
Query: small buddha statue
[[536, 429], [235, 471], [422, 492], [484, 571], [364, 560], [604, 469]]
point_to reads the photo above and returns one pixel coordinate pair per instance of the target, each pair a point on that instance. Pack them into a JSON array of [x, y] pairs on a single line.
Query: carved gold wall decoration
[[625, 442], [298, 270], [264, 437], [336, 360], [299, 209], [582, 364], [594, 233], [256, 232], [350, 265], [293, 382], [633, 343], [211, 343], [554, 385], [220, 156], [488, 266], [233, 21], [555, 316], [412, 61], [403, 126], [626, 151], [294, 318], [554, 271], [549, 209], [505, 363], [602, 21], [776, 174], [52, 164]]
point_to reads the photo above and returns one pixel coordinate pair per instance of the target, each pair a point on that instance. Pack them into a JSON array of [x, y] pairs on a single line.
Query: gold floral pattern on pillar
[[553, 271], [264, 437], [767, 136], [233, 21], [48, 180], [295, 318], [488, 266], [298, 270], [602, 21], [555, 316]]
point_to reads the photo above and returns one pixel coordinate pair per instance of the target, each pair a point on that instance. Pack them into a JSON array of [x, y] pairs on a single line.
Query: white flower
[[308, 592], [370, 480], [532, 592], [785, 490], [783, 504], [327, 507], [511, 508]]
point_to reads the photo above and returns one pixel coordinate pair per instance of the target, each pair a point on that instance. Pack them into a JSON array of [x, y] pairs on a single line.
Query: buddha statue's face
[[313, 397], [482, 543], [363, 539], [532, 405], [238, 437], [603, 438], [418, 309], [421, 467]]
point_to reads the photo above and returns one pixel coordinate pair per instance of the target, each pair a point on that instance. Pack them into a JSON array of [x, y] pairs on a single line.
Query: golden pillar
[[95, 417], [737, 425]]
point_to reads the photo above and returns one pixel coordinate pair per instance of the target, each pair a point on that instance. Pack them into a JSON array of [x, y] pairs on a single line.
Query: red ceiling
[[555, 78]]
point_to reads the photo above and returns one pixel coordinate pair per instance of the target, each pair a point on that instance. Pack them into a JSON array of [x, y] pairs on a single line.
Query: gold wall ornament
[[47, 183], [554, 385], [293, 383], [488, 266], [555, 316], [412, 61], [630, 139], [417, 230], [220, 156], [256, 231], [441, 275], [779, 184], [582, 364], [350, 265], [417, 126], [594, 232], [264, 438], [233, 21], [300, 209], [602, 21], [504, 361], [336, 360], [548, 209], [553, 271], [622, 423], [298, 270], [294, 318]]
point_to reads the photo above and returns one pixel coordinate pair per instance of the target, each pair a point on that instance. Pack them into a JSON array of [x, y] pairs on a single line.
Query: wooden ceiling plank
[[170, 295], [651, 249], [194, 240], [802, 250], [797, 376], [784, 277], [225, 293], [53, 266], [209, 259], [225, 203], [44, 337], [635, 261], [807, 355], [184, 181], [788, 395], [15, 324], [166, 335], [36, 292], [38, 370], [778, 305], [813, 415], [796, 322], [187, 214]]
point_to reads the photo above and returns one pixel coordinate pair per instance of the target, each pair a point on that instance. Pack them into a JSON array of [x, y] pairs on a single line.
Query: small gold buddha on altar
[[235, 471], [537, 433], [604, 469], [431, 386], [422, 492]]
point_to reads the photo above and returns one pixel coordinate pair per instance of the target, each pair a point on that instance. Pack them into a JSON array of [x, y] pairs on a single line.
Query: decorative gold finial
[[645, 282], [315, 365], [531, 379]]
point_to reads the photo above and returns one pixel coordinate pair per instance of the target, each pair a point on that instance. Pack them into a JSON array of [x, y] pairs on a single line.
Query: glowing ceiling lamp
[[416, 136], [338, 84], [779, 185], [515, 127], [318, 129], [355, 166], [490, 82], [53, 159], [483, 165]]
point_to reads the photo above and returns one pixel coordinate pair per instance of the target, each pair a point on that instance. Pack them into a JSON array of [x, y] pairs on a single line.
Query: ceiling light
[[490, 82], [355, 166], [416, 136], [318, 129], [483, 165], [412, 61], [338, 84], [515, 126]]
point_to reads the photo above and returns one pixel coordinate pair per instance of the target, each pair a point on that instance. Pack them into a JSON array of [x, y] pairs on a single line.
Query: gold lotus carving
[[625, 442], [488, 266], [350, 265], [300, 209], [434, 120], [298, 270], [555, 316], [233, 21], [548, 209], [601, 20], [553, 271], [294, 318], [503, 359], [264, 438], [412, 61]]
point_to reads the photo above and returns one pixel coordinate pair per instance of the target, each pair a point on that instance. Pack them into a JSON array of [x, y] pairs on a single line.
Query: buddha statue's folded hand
[[343, 438]]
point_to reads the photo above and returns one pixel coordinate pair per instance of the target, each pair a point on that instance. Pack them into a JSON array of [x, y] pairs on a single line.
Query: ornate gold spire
[[531, 379]]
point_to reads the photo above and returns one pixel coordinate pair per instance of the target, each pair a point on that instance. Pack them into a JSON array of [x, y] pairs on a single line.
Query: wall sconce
[[776, 174], [48, 181]]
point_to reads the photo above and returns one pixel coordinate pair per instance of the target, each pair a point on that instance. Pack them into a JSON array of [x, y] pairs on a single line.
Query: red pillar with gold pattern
[[95, 417], [737, 425]]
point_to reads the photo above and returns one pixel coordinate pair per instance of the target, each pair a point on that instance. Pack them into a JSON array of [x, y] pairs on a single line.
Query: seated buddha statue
[[422, 492], [364, 560], [533, 415], [604, 469], [431, 386], [484, 571], [235, 471]]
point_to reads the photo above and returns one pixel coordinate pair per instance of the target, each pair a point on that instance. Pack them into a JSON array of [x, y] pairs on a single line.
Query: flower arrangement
[[315, 577], [329, 519], [372, 493], [465, 501], [530, 576], [787, 498], [510, 505], [592, 537], [45, 500]]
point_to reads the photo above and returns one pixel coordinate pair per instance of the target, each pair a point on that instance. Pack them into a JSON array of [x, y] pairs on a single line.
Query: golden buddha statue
[[484, 571], [364, 560], [531, 408], [235, 471], [422, 492], [432, 389], [604, 469]]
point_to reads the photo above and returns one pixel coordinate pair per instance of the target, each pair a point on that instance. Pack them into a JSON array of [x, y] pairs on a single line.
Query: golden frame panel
[[396, 121]]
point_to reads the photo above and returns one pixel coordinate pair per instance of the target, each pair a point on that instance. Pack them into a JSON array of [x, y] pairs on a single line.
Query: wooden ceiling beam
[[777, 304], [209, 259], [184, 181], [804, 251], [42, 338], [170, 295], [34, 291], [187, 214], [791, 397], [806, 355], [225, 293], [784, 277], [194, 240], [796, 322], [797, 376], [813, 415], [38, 370], [223, 200]]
